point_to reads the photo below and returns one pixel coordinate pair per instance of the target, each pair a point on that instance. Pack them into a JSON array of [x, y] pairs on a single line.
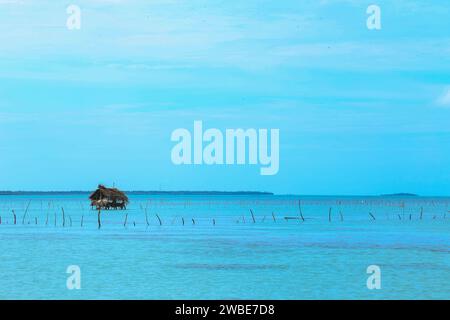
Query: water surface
[[221, 252]]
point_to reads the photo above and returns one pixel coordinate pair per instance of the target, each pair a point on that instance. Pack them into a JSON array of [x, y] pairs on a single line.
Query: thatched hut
[[108, 198]]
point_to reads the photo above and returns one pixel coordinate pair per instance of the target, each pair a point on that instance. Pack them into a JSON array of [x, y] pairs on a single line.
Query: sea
[[225, 247]]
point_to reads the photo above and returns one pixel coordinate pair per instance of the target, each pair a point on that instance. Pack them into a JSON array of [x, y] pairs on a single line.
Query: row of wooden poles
[[300, 217], [99, 221]]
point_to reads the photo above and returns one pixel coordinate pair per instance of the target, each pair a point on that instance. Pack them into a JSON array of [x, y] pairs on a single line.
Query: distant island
[[215, 193], [400, 195]]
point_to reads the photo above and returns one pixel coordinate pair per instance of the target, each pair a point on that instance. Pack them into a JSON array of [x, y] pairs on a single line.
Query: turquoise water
[[235, 258]]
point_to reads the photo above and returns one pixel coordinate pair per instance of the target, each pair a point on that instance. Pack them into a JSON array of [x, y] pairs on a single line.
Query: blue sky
[[359, 111]]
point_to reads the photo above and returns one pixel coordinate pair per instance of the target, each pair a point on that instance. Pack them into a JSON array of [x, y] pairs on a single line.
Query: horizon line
[[211, 192], [11, 192]]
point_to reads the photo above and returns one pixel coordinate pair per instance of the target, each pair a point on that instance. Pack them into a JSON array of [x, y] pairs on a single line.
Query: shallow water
[[230, 257]]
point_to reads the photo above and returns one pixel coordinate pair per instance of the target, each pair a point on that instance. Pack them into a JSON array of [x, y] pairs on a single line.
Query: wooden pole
[[329, 215], [373, 217], [421, 213], [25, 214], [63, 217], [159, 219], [99, 219], [15, 218], [273, 216], [300, 210], [126, 219], [253, 216], [146, 217]]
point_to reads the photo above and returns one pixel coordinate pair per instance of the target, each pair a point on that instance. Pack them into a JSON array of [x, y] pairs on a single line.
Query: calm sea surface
[[221, 252]]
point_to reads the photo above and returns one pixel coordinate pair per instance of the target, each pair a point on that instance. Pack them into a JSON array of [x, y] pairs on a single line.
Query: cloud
[[444, 99]]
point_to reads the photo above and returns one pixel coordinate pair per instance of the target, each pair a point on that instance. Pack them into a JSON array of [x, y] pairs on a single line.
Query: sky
[[359, 111]]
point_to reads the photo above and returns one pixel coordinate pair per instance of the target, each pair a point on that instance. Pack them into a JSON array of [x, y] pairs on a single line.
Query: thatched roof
[[111, 194]]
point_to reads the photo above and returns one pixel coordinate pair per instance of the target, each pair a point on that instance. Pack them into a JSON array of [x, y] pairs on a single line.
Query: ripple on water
[[234, 266]]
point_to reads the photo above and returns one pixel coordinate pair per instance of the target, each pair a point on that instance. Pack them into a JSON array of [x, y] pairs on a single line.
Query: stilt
[[159, 219], [300, 210], [99, 219]]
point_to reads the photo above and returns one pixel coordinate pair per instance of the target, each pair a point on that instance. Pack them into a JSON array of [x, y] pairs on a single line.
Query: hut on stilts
[[108, 198]]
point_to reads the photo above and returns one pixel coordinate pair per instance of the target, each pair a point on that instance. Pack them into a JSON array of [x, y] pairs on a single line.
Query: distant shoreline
[[200, 193], [215, 193], [400, 195]]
